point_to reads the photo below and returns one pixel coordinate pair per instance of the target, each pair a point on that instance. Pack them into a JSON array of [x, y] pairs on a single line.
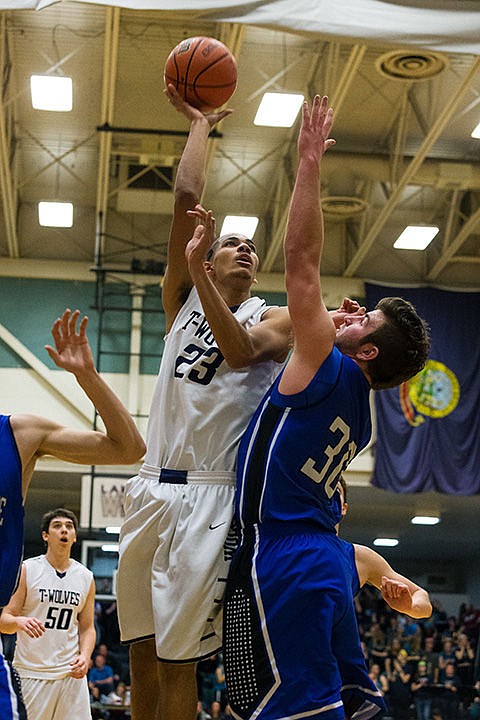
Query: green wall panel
[[29, 308]]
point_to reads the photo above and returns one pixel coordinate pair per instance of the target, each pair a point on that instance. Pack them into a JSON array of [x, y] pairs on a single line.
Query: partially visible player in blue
[[290, 631], [24, 438], [398, 591], [370, 568]]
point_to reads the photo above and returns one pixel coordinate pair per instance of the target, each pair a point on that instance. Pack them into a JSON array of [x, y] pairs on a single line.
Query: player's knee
[[143, 658], [178, 675]]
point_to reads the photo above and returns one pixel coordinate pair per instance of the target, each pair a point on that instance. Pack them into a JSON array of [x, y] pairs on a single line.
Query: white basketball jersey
[[200, 405], [55, 599]]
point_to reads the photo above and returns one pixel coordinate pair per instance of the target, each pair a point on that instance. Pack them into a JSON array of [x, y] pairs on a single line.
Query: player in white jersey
[[52, 613], [215, 368]]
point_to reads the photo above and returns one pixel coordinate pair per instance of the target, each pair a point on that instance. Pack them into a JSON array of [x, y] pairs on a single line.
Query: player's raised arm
[[313, 328], [269, 339], [188, 189], [35, 436]]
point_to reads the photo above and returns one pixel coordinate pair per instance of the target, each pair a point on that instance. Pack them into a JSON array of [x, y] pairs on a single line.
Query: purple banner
[[429, 428]]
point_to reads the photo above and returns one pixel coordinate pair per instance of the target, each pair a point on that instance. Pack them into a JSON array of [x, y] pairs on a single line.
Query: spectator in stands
[[392, 650], [400, 696], [465, 657], [474, 709], [447, 654], [431, 657], [206, 678], [439, 616], [220, 687], [470, 622], [451, 630], [379, 678], [412, 635], [422, 691], [375, 642], [449, 700], [101, 676], [114, 660]]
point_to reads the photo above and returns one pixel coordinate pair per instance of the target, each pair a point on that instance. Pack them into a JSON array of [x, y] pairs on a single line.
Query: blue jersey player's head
[[390, 344]]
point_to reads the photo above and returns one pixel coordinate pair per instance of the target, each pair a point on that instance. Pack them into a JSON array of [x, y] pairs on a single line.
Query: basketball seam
[[209, 67], [188, 69], [177, 79]]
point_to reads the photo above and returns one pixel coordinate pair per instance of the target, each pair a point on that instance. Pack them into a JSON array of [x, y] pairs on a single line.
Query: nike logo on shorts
[[214, 527]]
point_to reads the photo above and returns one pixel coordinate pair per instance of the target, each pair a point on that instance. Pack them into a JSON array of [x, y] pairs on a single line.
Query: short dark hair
[[59, 512], [403, 343], [213, 249], [343, 485]]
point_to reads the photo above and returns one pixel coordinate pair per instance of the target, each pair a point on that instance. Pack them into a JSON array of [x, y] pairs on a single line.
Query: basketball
[[203, 71]]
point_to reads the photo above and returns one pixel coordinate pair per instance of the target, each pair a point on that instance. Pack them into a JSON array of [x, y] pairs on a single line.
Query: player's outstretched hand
[[31, 626], [203, 237], [317, 121], [191, 113], [72, 350], [396, 594]]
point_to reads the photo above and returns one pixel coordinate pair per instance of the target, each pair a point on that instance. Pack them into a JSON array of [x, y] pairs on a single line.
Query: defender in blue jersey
[[290, 631], [24, 438]]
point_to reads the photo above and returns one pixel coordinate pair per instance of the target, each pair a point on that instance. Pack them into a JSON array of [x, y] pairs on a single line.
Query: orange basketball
[[203, 70]]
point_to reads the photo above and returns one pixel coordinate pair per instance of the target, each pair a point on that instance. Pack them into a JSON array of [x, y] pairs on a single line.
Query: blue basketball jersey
[[11, 512], [296, 447], [291, 642]]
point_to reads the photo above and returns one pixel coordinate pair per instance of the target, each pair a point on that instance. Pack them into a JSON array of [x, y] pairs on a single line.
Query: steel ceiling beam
[[472, 225], [7, 189], [109, 77], [436, 130], [339, 95], [232, 35]]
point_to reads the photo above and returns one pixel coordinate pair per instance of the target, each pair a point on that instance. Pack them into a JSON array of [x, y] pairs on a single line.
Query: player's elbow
[[186, 197], [239, 360], [132, 451]]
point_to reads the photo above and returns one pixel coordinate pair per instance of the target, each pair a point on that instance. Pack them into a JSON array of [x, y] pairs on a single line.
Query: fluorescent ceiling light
[[110, 548], [50, 92], [55, 214], [416, 237], [425, 520], [278, 109], [241, 224], [112, 530], [476, 132], [385, 542]]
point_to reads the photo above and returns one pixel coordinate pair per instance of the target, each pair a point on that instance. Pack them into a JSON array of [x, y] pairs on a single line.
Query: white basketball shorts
[[175, 547], [67, 697]]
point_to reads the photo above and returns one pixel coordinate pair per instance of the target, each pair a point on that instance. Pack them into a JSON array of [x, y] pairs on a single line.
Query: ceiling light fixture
[[112, 547], [385, 542], [55, 214], [113, 530], [425, 520], [50, 92], [278, 109], [241, 224], [416, 237]]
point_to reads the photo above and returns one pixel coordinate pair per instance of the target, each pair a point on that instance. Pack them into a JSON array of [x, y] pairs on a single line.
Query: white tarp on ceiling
[[449, 25]]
